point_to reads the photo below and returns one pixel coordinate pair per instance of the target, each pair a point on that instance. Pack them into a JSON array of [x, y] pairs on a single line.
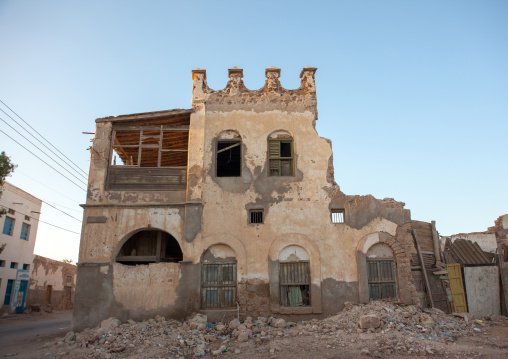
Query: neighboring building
[[51, 283], [18, 232], [232, 206]]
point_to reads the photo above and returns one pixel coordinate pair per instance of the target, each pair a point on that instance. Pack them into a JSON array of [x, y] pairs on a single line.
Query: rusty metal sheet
[[465, 252]]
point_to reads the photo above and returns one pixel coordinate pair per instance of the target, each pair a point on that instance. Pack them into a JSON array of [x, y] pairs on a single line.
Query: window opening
[[229, 158], [25, 231], [337, 215], [14, 265], [280, 157], [256, 216], [27, 218], [150, 246], [150, 146], [2, 263], [8, 292], [26, 266], [294, 279], [218, 285], [11, 211], [382, 279], [8, 226]]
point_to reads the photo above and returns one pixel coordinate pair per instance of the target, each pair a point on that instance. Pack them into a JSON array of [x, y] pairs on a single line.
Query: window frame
[[383, 281], [338, 211], [12, 222], [221, 286], [14, 265], [256, 210], [274, 159], [292, 283], [25, 235], [26, 266], [237, 142]]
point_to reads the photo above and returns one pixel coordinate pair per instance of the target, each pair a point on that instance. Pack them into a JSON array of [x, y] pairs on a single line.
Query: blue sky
[[413, 94]]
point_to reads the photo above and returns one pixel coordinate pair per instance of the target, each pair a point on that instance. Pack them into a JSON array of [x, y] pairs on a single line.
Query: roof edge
[[145, 115]]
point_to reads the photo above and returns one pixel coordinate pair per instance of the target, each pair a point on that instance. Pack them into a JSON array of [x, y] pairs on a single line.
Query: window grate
[[337, 215], [256, 216], [294, 281], [218, 285]]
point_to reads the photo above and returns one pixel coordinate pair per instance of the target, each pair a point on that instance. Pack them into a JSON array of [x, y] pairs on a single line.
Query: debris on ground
[[379, 328]]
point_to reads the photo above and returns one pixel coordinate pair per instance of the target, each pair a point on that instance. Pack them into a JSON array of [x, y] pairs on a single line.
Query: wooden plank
[[418, 250], [151, 128], [457, 287], [136, 259]]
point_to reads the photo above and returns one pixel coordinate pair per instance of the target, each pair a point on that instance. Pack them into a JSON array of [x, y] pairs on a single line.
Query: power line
[[39, 142], [62, 212], [54, 190], [68, 230], [44, 161], [59, 205], [72, 174], [41, 136]]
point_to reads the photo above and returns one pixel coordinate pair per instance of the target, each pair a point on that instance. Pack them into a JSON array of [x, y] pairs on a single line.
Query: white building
[[18, 229]]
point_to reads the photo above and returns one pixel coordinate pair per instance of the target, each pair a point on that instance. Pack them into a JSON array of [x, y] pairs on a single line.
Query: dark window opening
[[294, 280], [280, 158], [26, 266], [14, 265], [150, 246], [256, 216], [218, 285], [11, 211], [229, 159], [337, 215], [382, 280]]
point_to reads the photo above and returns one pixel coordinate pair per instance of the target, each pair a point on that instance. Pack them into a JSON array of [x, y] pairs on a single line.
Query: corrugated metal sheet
[[465, 252]]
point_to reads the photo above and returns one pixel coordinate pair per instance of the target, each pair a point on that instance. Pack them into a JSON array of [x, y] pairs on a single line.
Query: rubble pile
[[380, 327]]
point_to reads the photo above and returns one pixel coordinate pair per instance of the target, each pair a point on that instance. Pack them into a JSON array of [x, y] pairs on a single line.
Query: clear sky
[[413, 94]]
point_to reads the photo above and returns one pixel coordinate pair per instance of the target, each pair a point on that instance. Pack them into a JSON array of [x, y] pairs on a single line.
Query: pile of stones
[[376, 328]]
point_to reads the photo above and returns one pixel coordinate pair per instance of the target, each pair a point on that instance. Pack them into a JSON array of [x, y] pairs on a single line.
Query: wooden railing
[[125, 178]]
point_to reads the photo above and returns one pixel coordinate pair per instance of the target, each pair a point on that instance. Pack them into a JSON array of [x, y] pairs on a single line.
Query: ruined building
[[231, 207]]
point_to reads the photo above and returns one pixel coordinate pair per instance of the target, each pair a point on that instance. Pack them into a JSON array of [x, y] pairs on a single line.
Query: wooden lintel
[[229, 147], [136, 259]]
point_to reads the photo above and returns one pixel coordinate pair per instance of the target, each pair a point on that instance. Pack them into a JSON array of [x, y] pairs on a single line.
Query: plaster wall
[[17, 250], [482, 288]]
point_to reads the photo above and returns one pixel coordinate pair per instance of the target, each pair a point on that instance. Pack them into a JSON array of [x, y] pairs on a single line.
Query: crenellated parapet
[[272, 96]]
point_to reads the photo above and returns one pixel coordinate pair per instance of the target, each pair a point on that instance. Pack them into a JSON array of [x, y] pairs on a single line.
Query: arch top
[[219, 253], [293, 253]]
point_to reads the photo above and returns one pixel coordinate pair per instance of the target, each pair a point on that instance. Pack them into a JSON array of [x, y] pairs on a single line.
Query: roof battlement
[[272, 96]]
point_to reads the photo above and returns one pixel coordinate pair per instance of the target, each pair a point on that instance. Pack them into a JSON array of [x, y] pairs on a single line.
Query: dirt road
[[21, 335]]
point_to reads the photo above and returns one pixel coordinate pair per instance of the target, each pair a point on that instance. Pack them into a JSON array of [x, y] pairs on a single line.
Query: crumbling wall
[[59, 275]]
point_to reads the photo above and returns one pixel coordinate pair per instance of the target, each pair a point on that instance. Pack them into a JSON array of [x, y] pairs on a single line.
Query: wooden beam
[[424, 270], [136, 259], [229, 147]]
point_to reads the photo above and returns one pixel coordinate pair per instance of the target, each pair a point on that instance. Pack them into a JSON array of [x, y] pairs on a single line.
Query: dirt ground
[[22, 335], [376, 330]]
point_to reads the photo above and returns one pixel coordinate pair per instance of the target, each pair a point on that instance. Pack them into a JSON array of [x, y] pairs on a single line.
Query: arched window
[[294, 277], [150, 246], [280, 154], [381, 272], [218, 277]]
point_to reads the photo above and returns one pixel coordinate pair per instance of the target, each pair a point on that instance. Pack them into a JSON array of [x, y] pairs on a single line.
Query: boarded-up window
[[294, 280], [218, 285], [280, 157], [382, 280], [229, 159]]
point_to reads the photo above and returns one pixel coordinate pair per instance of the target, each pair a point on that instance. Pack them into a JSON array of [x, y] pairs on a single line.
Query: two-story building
[[18, 233], [231, 207]]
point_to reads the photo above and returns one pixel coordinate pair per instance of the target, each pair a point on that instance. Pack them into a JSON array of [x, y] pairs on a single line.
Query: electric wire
[[42, 136], [63, 212], [38, 220], [72, 174], [59, 205], [44, 162], [54, 190], [40, 143]]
